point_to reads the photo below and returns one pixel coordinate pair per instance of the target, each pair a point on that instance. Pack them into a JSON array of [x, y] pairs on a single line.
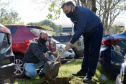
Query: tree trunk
[[93, 8]]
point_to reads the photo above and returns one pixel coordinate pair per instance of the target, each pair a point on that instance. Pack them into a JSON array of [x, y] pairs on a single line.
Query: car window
[[13, 30], [3, 40], [57, 42], [35, 31]]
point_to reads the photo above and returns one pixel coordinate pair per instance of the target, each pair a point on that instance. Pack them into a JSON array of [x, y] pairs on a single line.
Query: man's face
[[44, 36], [66, 9]]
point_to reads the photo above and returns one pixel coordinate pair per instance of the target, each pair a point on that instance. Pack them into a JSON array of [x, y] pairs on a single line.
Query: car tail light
[[109, 42], [29, 41], [2, 29], [78, 43], [101, 59]]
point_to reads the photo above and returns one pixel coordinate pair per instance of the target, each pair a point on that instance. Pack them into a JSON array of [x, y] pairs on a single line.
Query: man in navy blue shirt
[[89, 25]]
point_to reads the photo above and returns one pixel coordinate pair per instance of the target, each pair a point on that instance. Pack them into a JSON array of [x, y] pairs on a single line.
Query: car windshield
[[57, 42], [35, 31]]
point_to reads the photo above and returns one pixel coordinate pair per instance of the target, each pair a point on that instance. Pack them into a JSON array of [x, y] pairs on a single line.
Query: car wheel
[[76, 53], [19, 69]]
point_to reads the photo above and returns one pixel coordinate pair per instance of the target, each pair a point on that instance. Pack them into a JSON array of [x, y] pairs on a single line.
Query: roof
[[4, 29], [26, 26]]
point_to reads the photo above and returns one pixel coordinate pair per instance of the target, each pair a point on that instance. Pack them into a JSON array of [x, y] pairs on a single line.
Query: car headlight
[[70, 51], [122, 71]]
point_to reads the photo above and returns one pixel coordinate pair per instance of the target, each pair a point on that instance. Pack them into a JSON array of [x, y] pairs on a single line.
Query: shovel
[[52, 68]]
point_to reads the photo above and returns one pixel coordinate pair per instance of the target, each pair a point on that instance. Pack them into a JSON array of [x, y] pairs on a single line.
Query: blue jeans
[[30, 68], [92, 43]]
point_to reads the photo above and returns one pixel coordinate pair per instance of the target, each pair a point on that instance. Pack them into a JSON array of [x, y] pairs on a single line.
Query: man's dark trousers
[[92, 44]]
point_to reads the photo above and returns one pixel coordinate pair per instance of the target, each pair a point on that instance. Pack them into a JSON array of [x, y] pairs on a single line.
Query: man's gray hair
[[69, 3], [43, 32]]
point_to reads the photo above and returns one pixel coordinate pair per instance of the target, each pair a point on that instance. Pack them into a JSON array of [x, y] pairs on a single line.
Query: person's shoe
[[42, 75], [87, 79], [79, 74]]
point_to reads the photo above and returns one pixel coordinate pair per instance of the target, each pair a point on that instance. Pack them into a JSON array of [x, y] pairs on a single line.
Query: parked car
[[121, 78], [22, 36], [68, 55], [6, 55], [112, 52], [78, 47]]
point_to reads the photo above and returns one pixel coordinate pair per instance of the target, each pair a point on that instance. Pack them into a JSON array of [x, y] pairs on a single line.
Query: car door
[[6, 55]]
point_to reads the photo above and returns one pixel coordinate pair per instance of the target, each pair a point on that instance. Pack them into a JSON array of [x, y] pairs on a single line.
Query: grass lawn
[[65, 77]]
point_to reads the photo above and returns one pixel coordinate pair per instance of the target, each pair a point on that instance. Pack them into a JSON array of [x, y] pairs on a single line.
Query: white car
[[68, 55]]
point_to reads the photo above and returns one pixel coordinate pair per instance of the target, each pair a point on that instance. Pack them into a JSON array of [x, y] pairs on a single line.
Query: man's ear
[[40, 34], [72, 8]]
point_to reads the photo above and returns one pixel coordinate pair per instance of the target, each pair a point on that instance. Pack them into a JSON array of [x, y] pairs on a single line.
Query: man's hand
[[46, 55], [55, 54], [68, 46]]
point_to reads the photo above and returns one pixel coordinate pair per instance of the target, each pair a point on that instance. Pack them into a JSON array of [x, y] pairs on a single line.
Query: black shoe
[[79, 74], [42, 75], [87, 79]]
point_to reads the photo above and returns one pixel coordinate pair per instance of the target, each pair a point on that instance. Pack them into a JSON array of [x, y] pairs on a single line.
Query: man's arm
[[38, 53], [46, 51], [75, 27], [80, 26]]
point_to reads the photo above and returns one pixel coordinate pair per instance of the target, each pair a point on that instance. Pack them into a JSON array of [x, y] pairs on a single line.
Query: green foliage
[[51, 32], [55, 9], [118, 29], [56, 28], [7, 16], [20, 23], [124, 29], [47, 28]]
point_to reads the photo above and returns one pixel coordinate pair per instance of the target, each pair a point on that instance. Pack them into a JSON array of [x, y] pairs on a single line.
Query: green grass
[[65, 77]]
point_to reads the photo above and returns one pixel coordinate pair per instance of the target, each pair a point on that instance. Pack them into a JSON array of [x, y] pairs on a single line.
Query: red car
[[22, 36]]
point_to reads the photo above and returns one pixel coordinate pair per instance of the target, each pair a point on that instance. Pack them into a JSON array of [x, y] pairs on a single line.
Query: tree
[[47, 28], [48, 23], [116, 29], [107, 10], [7, 16], [55, 7]]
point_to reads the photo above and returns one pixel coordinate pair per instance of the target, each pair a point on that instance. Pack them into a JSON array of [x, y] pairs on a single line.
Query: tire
[[19, 69], [76, 53]]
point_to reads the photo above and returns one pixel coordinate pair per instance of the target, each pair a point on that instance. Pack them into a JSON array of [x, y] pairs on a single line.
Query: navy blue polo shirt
[[84, 21]]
